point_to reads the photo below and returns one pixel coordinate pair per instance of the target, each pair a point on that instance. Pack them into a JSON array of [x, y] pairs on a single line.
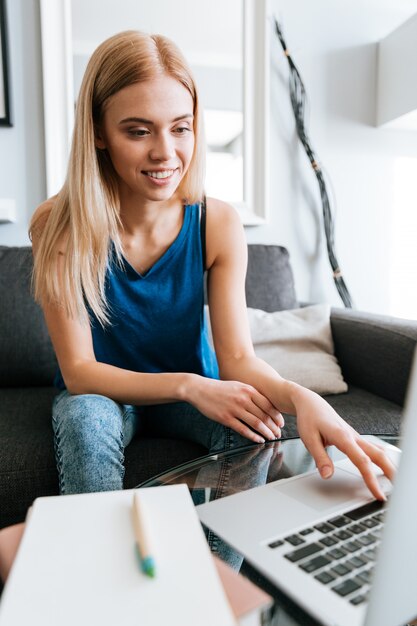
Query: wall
[[22, 169], [371, 169]]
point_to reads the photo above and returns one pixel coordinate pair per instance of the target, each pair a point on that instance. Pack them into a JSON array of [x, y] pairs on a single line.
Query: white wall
[[22, 169], [335, 50], [372, 169]]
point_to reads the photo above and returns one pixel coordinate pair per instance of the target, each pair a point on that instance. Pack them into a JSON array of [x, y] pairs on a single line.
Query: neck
[[147, 216]]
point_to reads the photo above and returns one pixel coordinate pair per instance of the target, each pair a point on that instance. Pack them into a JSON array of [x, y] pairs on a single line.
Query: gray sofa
[[374, 352]]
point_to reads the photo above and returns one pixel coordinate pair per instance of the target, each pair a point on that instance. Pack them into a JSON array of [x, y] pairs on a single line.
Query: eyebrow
[[142, 120]]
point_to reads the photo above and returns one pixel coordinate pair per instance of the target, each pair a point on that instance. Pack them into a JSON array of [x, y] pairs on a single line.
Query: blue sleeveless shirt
[[157, 318]]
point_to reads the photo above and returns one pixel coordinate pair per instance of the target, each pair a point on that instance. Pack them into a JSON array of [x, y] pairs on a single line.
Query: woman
[[120, 255]]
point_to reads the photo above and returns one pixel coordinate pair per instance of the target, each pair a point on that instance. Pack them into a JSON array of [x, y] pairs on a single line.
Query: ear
[[99, 139]]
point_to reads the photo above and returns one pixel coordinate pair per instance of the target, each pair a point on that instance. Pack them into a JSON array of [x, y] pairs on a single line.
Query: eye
[[182, 130], [138, 132]]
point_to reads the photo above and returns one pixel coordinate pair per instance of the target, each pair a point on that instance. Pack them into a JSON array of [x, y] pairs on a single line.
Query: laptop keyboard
[[340, 552]]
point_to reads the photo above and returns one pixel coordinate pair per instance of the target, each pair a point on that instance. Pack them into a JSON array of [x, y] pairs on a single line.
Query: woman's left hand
[[320, 426]]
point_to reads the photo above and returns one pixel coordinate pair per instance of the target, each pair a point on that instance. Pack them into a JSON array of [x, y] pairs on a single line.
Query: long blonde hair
[[86, 212]]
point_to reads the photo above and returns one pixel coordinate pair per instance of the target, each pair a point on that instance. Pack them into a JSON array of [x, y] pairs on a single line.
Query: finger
[[266, 419], [318, 452], [267, 407], [257, 424], [243, 430], [378, 455], [362, 461]]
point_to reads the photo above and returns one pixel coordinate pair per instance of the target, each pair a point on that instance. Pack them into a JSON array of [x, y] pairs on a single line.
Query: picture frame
[[5, 112]]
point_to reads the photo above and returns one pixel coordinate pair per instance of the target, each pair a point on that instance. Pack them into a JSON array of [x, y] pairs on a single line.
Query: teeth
[[164, 174]]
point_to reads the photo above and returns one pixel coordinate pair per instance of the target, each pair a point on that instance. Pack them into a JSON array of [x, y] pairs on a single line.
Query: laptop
[[344, 557]]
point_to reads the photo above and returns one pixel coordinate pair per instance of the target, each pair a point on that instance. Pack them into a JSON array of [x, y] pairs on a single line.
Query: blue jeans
[[92, 431]]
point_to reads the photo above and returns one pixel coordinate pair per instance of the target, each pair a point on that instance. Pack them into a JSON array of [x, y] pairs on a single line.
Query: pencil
[[141, 525]]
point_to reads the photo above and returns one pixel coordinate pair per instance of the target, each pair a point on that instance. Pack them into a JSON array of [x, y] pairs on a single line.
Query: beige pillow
[[298, 344]]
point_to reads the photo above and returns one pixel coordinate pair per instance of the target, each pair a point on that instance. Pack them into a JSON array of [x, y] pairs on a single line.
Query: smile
[[160, 174]]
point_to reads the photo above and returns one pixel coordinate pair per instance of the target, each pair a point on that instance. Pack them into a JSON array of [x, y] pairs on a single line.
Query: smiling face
[[147, 130]]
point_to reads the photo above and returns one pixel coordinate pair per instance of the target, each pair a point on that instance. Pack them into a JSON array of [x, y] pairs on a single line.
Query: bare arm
[[318, 424]]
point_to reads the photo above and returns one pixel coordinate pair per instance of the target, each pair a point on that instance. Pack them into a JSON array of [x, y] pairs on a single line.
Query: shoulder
[[221, 212], [224, 231]]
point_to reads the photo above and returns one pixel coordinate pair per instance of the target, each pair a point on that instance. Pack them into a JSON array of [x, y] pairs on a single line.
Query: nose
[[162, 148]]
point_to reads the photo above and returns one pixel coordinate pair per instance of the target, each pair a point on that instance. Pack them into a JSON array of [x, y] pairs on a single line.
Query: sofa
[[374, 352]]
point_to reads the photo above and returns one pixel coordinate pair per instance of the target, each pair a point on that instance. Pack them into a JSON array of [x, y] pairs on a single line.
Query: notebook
[[341, 555], [77, 564]]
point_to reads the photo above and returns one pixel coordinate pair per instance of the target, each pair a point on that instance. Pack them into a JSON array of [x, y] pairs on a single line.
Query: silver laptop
[[346, 558]]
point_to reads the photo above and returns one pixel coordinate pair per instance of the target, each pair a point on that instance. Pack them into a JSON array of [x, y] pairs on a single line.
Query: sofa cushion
[[26, 354], [269, 279]]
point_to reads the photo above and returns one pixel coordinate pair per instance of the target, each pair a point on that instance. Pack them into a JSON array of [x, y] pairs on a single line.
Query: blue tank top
[[157, 318]]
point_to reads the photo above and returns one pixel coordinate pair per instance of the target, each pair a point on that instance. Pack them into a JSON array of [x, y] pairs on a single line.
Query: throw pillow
[[298, 344]]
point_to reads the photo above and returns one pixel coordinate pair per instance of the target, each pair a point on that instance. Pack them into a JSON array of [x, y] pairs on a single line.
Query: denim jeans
[[92, 431]]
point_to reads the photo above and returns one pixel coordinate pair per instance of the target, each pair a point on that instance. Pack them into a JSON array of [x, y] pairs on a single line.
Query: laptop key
[[316, 563], [306, 531], [294, 540], [357, 528], [352, 546], [304, 552], [324, 528], [356, 600], [364, 576], [365, 510], [340, 569], [339, 521], [369, 555], [324, 577], [276, 544], [343, 534], [329, 541], [366, 540], [370, 522], [357, 561], [346, 587], [336, 553]]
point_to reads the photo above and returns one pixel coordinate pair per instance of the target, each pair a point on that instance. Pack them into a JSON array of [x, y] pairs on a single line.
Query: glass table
[[245, 468]]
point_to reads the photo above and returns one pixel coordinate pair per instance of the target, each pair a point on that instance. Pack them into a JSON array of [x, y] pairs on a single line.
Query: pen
[[140, 525]]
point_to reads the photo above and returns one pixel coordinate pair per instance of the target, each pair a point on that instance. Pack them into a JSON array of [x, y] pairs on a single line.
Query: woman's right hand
[[237, 406]]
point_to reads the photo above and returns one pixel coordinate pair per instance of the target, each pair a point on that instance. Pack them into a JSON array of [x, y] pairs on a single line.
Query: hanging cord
[[298, 98]]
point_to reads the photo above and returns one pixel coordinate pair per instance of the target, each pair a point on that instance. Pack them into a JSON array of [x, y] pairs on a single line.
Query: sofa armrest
[[375, 352]]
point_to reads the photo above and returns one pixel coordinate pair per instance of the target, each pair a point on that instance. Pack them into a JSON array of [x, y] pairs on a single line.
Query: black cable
[[298, 100]]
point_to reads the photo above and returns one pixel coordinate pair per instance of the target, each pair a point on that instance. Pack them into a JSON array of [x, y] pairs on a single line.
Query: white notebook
[[77, 564]]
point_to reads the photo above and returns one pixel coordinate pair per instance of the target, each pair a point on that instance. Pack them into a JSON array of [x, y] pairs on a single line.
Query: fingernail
[[260, 440], [326, 471]]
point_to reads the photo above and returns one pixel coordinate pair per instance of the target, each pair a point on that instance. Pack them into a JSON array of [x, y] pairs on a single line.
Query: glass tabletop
[[224, 473], [286, 457]]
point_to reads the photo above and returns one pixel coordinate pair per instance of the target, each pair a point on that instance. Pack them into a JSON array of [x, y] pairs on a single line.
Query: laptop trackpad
[[322, 494]]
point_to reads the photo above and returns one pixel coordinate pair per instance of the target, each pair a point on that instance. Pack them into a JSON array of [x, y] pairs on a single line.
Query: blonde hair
[[86, 212]]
